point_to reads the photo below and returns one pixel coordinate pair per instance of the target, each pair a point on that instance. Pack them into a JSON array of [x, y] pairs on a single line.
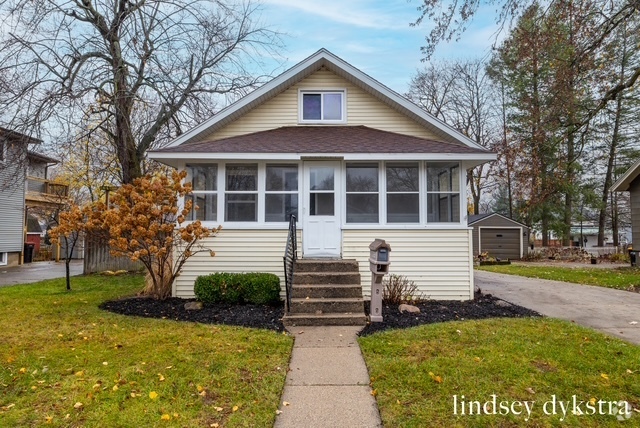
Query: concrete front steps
[[326, 292]]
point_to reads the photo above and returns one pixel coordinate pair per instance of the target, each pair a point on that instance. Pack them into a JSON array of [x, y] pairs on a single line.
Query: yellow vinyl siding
[[437, 260], [236, 251], [362, 109]]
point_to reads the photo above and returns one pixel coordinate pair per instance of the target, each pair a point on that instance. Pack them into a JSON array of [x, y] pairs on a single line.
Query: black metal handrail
[[290, 257]]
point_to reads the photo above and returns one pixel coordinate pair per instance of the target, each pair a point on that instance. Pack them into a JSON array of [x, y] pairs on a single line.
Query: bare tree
[[141, 69], [461, 94]]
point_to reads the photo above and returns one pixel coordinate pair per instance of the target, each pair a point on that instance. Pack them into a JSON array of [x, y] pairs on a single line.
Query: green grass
[[515, 359], [622, 278], [58, 349]]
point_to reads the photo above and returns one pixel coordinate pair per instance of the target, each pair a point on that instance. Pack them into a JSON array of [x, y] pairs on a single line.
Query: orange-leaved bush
[[144, 222]]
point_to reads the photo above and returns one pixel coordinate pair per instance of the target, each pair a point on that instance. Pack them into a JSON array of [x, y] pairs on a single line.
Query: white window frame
[[257, 192], [278, 192], [302, 92], [195, 193], [428, 192], [4, 259], [379, 166], [387, 192]]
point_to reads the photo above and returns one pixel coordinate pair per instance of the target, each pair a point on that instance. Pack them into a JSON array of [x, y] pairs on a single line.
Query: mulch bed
[[270, 317], [434, 311]]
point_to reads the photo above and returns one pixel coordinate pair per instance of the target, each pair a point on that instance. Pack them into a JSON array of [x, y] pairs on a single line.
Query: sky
[[372, 35]]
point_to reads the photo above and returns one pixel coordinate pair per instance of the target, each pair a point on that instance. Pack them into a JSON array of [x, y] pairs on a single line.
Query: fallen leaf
[[285, 403], [476, 359], [115, 387], [23, 370], [218, 409], [604, 376], [234, 409], [160, 377], [438, 379], [592, 401], [153, 395], [630, 371], [530, 390], [175, 415], [78, 405], [199, 388], [374, 392], [33, 388], [104, 363], [633, 322], [80, 373], [278, 412], [214, 425], [48, 419], [165, 417]]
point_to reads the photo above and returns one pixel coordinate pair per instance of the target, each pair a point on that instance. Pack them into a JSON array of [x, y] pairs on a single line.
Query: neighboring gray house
[[24, 186], [13, 173], [630, 181], [499, 236]]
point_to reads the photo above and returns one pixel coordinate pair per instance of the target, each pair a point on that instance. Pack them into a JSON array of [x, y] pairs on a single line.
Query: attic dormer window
[[322, 106]]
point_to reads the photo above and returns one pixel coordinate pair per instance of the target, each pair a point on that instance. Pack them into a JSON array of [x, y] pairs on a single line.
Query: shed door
[[321, 234], [501, 243]]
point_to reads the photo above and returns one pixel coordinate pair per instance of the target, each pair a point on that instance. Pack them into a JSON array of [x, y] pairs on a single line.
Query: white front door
[[321, 232]]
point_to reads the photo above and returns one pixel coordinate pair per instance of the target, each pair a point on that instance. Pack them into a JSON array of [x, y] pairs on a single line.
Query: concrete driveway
[[37, 271], [614, 312]]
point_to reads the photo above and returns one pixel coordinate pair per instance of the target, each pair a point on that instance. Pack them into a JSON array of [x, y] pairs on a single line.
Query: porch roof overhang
[[306, 142]]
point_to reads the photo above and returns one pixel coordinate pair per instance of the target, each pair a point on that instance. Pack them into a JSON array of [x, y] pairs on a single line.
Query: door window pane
[[321, 178], [321, 203]]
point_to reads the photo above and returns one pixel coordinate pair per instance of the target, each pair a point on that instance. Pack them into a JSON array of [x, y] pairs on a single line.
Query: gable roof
[[622, 184], [479, 217], [340, 68]]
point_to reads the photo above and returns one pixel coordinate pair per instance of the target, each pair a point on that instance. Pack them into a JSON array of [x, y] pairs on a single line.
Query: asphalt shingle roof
[[322, 139]]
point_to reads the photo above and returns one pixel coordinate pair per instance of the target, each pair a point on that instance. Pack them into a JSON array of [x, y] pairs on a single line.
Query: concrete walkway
[[37, 271], [610, 311], [327, 384]]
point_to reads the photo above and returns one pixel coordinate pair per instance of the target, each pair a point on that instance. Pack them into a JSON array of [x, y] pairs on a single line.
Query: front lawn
[[622, 278], [65, 362], [432, 375]]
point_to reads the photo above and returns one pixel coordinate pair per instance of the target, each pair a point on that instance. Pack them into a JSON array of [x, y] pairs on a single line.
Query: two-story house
[[24, 187]]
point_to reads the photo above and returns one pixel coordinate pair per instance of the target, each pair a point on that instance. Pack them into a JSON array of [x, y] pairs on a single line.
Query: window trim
[[428, 192], [302, 92], [192, 215], [266, 192], [4, 258], [377, 192]]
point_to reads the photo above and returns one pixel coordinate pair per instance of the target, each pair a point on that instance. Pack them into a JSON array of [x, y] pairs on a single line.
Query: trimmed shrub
[[254, 287]]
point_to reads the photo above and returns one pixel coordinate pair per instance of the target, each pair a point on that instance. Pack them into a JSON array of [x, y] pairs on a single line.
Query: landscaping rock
[[408, 308], [193, 306]]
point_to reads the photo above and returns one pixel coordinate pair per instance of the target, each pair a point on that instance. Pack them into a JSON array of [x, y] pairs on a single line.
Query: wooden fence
[[98, 259]]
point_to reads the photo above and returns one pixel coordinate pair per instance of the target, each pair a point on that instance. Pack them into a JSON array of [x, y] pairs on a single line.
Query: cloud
[[359, 14]]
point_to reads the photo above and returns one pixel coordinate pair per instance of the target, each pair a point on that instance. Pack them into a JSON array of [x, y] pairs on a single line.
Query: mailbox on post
[[379, 265]]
